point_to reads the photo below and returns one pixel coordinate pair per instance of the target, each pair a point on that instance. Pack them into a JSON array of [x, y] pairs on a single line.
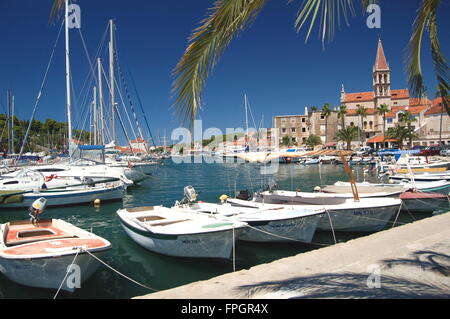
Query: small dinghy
[[181, 234], [38, 253], [419, 202]]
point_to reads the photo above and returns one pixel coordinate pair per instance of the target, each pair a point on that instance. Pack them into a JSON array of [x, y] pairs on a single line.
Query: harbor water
[[164, 187]]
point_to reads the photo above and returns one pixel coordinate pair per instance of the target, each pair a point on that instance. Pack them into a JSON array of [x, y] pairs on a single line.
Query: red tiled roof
[[379, 139], [380, 61], [138, 140], [127, 150], [399, 94], [419, 101], [437, 109], [415, 110], [352, 112], [359, 97]]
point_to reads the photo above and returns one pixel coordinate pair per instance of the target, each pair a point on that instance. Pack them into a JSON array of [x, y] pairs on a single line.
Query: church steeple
[[381, 76], [380, 62]]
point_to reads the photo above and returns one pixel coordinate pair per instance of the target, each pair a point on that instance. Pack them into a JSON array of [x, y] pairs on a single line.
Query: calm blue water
[[164, 188]]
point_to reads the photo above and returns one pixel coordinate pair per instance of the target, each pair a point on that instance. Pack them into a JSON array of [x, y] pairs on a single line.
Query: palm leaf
[[426, 20], [57, 8], [206, 45], [332, 12]]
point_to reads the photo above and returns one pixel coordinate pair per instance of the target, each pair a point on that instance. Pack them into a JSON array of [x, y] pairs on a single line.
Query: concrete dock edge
[[409, 261]]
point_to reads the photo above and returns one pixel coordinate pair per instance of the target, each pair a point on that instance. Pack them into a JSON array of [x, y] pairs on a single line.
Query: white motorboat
[[25, 179], [38, 253], [423, 177], [346, 214], [265, 225], [76, 170], [440, 186], [72, 195], [170, 232]]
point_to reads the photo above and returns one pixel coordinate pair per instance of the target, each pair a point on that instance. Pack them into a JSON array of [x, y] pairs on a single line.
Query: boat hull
[[216, 245], [70, 198], [287, 230], [369, 219], [50, 272]]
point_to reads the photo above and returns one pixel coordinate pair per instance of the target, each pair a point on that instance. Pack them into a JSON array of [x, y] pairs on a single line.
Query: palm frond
[[57, 8], [206, 45], [426, 20], [332, 12]]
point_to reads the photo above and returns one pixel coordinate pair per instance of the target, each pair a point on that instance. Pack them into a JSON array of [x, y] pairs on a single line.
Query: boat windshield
[[92, 153]]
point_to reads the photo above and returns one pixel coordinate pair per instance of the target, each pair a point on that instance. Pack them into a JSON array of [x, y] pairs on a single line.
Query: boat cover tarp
[[5, 199]]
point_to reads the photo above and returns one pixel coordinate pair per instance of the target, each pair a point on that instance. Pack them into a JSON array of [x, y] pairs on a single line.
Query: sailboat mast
[[12, 124], [69, 116], [94, 106], [111, 77], [8, 101], [100, 99], [246, 120]]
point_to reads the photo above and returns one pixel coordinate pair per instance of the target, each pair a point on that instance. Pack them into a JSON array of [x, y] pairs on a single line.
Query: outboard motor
[[36, 209], [190, 196]]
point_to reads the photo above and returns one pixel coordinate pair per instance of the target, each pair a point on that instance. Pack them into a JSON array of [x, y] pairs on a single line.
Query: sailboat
[[85, 169]]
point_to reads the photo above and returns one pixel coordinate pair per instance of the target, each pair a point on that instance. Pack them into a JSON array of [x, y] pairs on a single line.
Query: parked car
[[445, 151], [431, 150]]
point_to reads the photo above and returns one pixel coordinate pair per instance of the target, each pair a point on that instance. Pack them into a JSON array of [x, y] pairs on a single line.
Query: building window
[[293, 129], [389, 120], [303, 129], [365, 124], [352, 124], [283, 130], [371, 125], [303, 119], [294, 140], [322, 117]]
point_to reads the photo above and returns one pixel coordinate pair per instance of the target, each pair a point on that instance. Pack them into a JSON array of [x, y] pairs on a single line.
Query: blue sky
[[269, 61]]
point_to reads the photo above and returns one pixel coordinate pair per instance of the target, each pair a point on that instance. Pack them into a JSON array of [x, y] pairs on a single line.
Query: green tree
[[347, 135], [286, 141], [407, 118], [400, 133], [313, 140], [361, 111], [326, 112], [342, 113], [382, 110]]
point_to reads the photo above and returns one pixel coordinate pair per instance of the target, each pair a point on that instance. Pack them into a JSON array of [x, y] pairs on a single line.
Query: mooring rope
[[118, 272], [67, 272]]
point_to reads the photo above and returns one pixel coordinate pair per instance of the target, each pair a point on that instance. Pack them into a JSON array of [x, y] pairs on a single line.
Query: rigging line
[[116, 55], [40, 92], [125, 109], [142, 108], [118, 113]]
